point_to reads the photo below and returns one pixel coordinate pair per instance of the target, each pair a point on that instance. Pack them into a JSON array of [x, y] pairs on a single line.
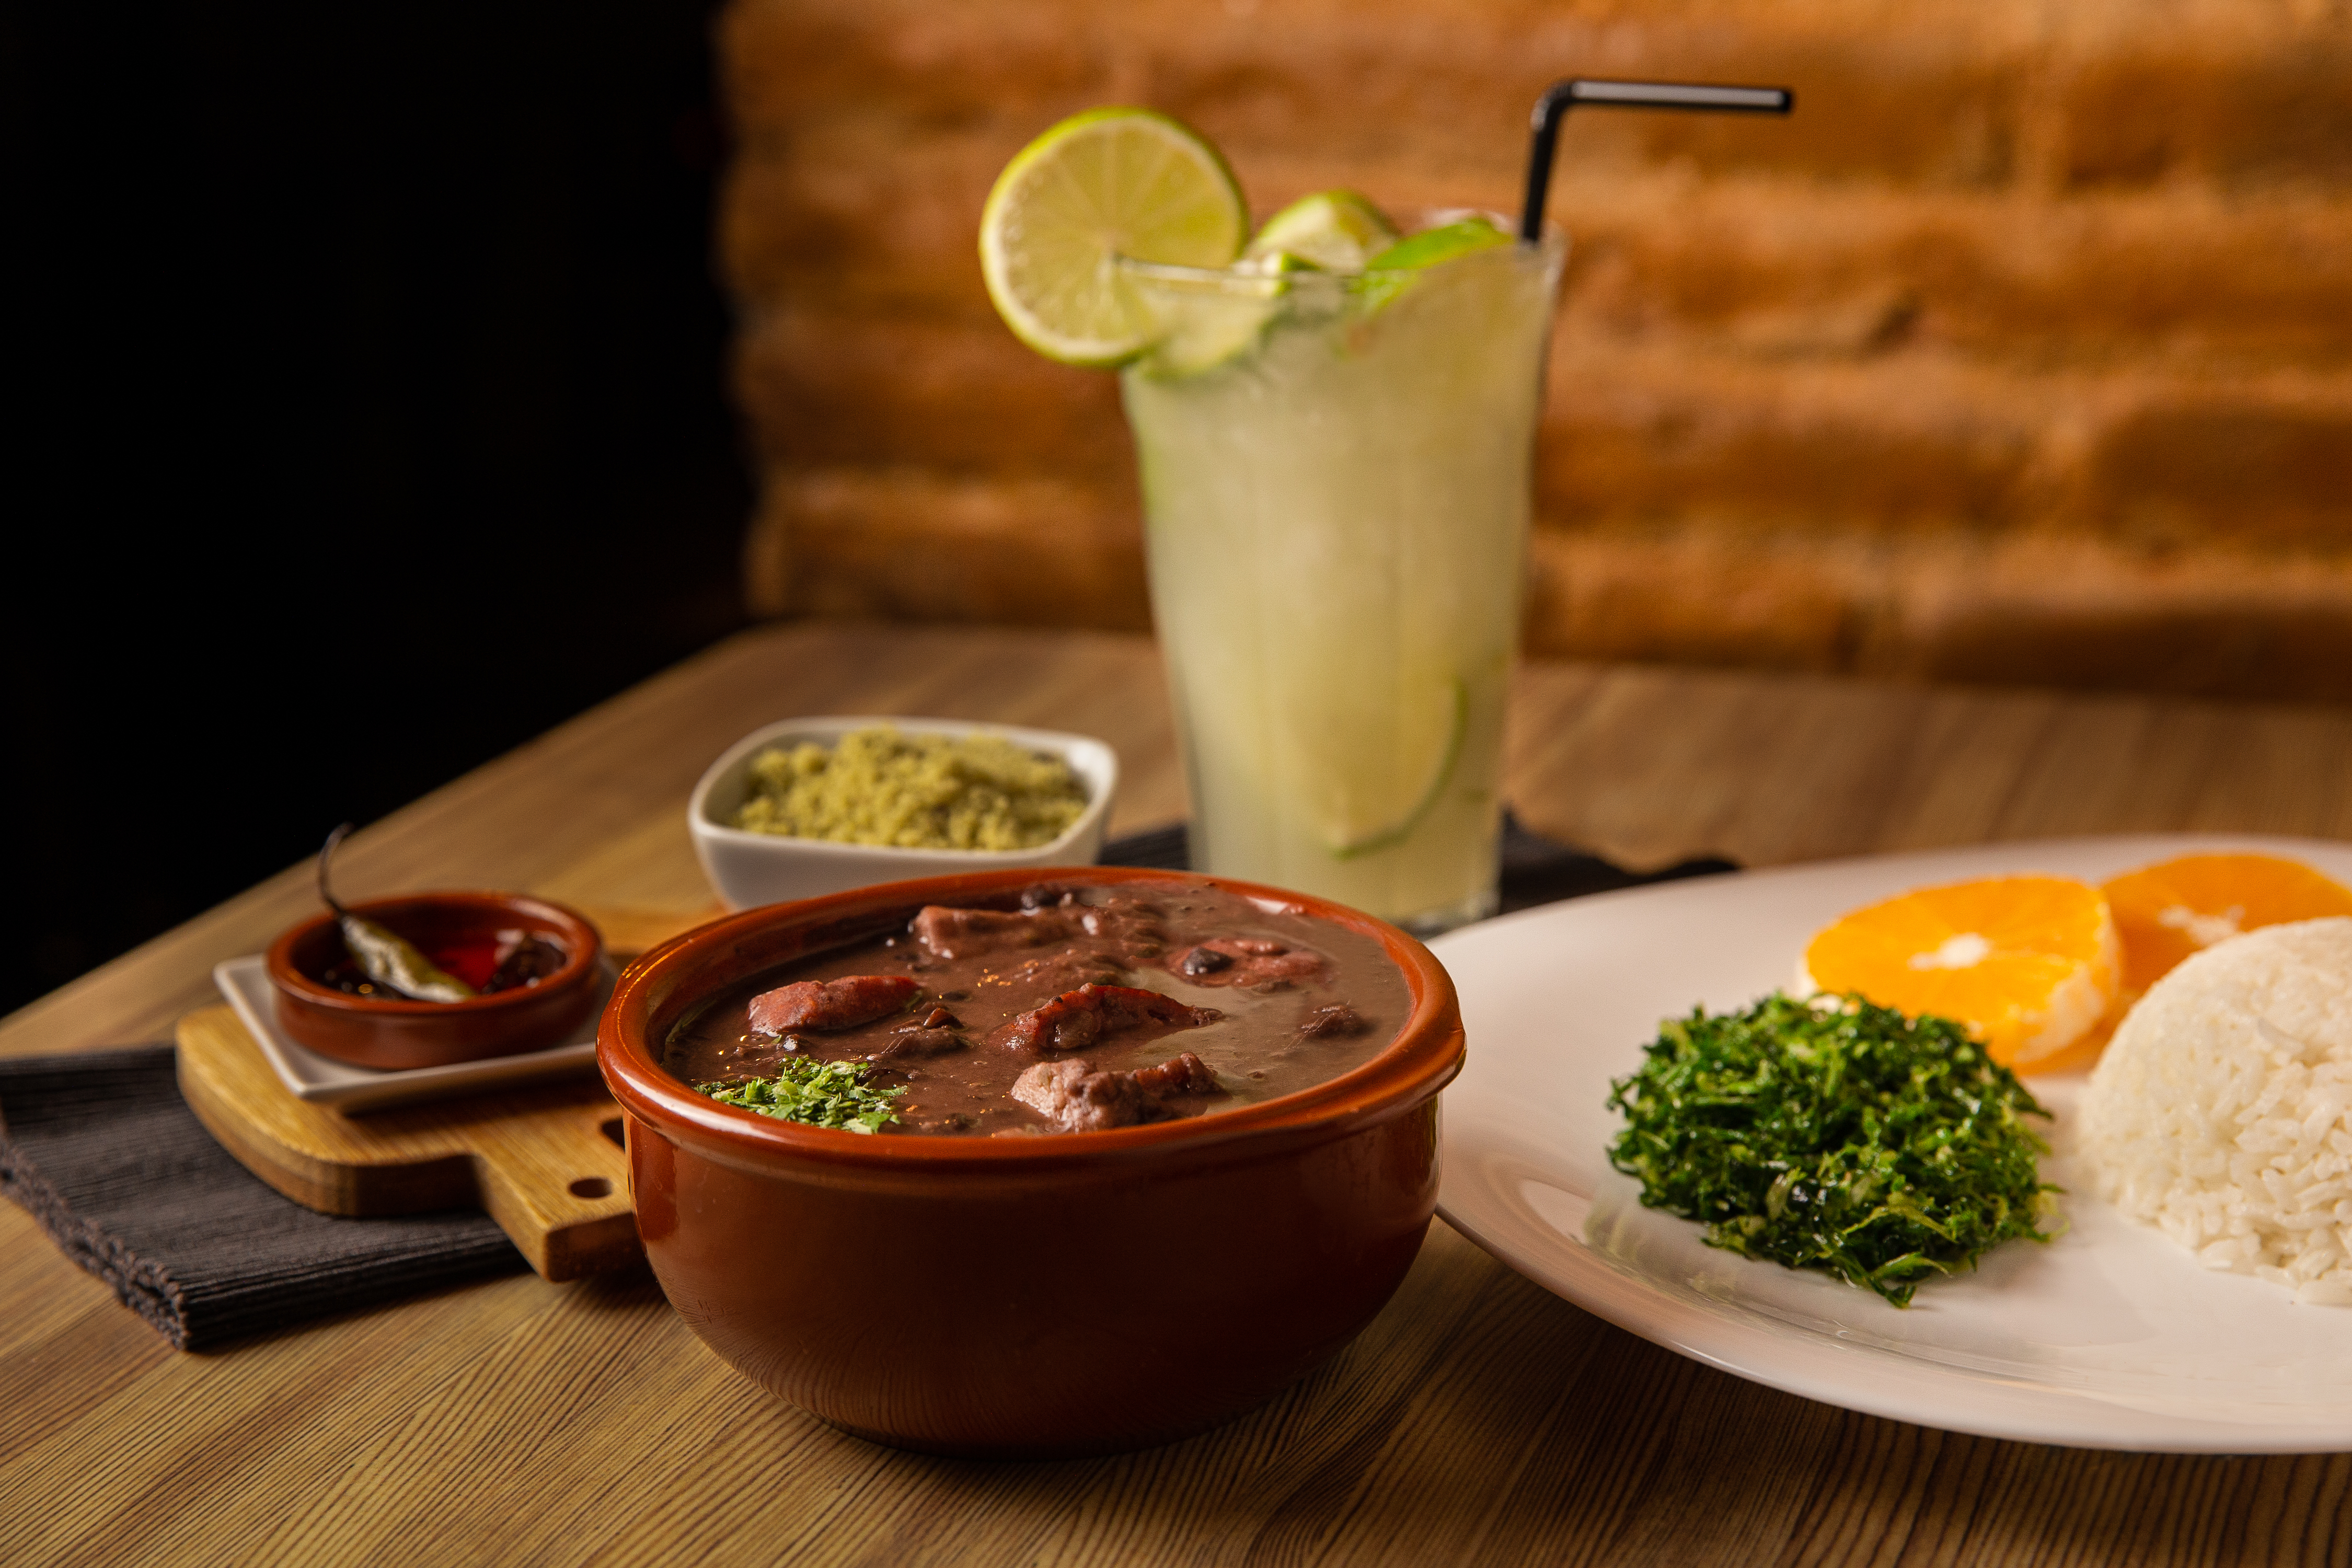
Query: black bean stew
[[1066, 1010]]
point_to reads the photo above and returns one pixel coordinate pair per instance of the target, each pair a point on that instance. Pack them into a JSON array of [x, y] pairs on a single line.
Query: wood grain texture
[[1478, 1420], [536, 1160]]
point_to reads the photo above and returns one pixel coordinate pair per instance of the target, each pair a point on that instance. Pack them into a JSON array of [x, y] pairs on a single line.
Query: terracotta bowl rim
[[587, 949], [1421, 1061]]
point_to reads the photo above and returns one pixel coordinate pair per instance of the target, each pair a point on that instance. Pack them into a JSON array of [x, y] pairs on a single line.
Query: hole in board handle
[[590, 1188]]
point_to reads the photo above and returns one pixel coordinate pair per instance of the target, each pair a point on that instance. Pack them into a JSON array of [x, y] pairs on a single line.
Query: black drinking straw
[[1562, 96]]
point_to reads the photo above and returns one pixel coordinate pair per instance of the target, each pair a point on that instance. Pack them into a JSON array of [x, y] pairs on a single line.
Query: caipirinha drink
[[1335, 427], [1336, 515]]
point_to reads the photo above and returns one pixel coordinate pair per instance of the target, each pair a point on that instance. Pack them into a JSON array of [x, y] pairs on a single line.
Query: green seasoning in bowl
[[821, 1094], [914, 792]]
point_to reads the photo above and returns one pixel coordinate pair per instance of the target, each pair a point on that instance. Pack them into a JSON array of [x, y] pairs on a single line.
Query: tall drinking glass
[[1336, 474]]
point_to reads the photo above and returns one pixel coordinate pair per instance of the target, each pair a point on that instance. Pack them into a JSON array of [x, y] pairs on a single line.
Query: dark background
[[368, 378]]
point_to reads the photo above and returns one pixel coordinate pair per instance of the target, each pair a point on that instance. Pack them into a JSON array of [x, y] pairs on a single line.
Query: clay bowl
[[1024, 1296], [394, 1033]]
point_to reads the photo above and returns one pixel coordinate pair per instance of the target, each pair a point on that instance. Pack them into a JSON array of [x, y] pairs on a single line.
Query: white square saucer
[[321, 1080]]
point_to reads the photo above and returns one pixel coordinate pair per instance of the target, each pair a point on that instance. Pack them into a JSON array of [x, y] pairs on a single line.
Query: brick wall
[[2023, 352]]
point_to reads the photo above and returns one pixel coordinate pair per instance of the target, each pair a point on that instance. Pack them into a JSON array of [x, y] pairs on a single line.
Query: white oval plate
[[2109, 1336]]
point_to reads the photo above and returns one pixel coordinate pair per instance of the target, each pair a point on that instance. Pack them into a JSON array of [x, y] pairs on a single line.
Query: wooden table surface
[[1478, 1419]]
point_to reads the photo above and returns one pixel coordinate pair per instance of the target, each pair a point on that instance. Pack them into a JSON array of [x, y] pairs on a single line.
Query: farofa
[[913, 791]]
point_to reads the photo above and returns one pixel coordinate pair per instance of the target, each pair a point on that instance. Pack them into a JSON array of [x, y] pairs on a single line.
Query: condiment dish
[[1084, 1292], [244, 984], [394, 1032], [747, 869]]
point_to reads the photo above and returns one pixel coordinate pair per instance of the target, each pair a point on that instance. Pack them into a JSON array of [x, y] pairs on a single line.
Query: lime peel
[[1390, 836], [1393, 270], [1106, 184], [1335, 230]]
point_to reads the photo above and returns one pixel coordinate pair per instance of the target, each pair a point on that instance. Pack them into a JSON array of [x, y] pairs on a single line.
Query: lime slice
[[1393, 268], [1203, 328], [1108, 182], [1456, 719], [1335, 230]]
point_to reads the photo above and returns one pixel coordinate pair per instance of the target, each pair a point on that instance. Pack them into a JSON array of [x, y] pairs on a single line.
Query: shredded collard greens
[[1834, 1134], [822, 1094]]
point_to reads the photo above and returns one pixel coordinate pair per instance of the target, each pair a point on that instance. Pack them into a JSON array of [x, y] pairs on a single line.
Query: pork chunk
[[1337, 1021], [951, 932], [841, 1004], [1078, 1018], [1076, 1099], [917, 1041]]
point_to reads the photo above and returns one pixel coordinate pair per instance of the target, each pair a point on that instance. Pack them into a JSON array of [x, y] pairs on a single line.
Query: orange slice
[[2029, 963], [2166, 911]]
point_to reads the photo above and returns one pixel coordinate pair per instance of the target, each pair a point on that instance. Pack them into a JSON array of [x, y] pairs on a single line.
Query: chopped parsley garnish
[[822, 1094], [1834, 1134]]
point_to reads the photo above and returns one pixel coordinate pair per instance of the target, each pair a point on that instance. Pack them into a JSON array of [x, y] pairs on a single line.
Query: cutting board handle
[[560, 1189]]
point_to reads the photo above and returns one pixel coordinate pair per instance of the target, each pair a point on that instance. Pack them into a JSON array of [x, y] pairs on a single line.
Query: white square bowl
[[321, 1080], [747, 869]]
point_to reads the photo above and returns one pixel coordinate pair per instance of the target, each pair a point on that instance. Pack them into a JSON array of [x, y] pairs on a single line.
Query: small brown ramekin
[[1080, 1293], [393, 1032]]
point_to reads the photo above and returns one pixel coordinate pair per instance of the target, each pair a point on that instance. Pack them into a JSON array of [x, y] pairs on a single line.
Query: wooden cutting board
[[544, 1162]]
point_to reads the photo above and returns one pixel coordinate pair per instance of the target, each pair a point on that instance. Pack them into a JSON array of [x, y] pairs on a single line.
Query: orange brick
[[2253, 469], [1636, 434], [2007, 611], [858, 213], [2212, 621], [1692, 598], [917, 546], [825, 389], [1780, 269], [2242, 111], [786, 63]]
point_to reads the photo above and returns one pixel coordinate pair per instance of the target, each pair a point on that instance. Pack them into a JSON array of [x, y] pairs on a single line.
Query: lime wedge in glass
[[1441, 729], [1391, 269], [1206, 323], [1335, 230], [1106, 184]]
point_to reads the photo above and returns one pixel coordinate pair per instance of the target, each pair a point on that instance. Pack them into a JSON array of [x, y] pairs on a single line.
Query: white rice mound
[[2222, 1111]]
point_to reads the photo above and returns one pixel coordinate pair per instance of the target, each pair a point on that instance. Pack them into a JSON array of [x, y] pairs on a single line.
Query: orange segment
[[2028, 962], [2166, 911]]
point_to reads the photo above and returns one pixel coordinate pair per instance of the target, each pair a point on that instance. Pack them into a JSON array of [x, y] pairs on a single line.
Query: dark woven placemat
[[1536, 869], [100, 1148]]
